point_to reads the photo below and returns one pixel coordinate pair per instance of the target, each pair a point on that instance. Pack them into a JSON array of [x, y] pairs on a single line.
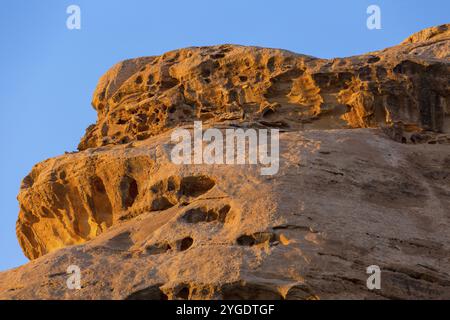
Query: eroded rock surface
[[234, 84], [364, 180]]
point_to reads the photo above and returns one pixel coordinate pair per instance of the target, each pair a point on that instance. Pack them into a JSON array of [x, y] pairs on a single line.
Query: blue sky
[[48, 73]]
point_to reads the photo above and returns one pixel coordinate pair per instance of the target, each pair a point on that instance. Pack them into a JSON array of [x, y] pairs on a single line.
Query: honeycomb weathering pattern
[[364, 179], [142, 97]]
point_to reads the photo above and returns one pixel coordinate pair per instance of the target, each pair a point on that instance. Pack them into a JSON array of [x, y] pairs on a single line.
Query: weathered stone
[[364, 180], [235, 84]]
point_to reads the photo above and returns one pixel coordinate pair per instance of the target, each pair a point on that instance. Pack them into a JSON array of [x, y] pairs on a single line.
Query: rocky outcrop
[[431, 34], [364, 180], [234, 84]]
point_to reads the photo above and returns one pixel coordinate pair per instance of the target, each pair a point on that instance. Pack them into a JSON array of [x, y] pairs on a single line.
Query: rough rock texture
[[142, 97], [364, 180]]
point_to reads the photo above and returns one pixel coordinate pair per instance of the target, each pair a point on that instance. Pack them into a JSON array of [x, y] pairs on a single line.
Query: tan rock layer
[[142, 97], [342, 201], [141, 227], [73, 198]]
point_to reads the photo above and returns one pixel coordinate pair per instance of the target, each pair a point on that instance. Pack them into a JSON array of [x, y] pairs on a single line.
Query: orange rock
[[141, 227]]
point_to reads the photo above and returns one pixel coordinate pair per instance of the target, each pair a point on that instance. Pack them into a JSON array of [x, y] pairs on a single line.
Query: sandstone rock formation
[[364, 180]]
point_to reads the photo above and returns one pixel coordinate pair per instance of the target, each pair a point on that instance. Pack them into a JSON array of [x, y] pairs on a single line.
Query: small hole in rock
[[124, 140], [224, 212], [172, 184], [150, 293], [196, 215], [194, 186], [245, 240], [217, 56], [186, 243], [160, 204], [129, 189], [373, 59], [183, 293], [268, 112], [98, 185], [138, 80]]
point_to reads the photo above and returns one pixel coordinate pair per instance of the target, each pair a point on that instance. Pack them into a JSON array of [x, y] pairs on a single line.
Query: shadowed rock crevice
[[249, 291], [256, 239], [178, 190], [101, 203], [203, 214], [163, 247], [129, 189], [150, 293]]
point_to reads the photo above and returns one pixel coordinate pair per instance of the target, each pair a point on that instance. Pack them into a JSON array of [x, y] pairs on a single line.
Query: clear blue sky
[[48, 73]]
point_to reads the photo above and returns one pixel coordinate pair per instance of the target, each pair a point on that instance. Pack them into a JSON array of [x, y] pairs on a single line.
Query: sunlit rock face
[[364, 179], [228, 84]]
